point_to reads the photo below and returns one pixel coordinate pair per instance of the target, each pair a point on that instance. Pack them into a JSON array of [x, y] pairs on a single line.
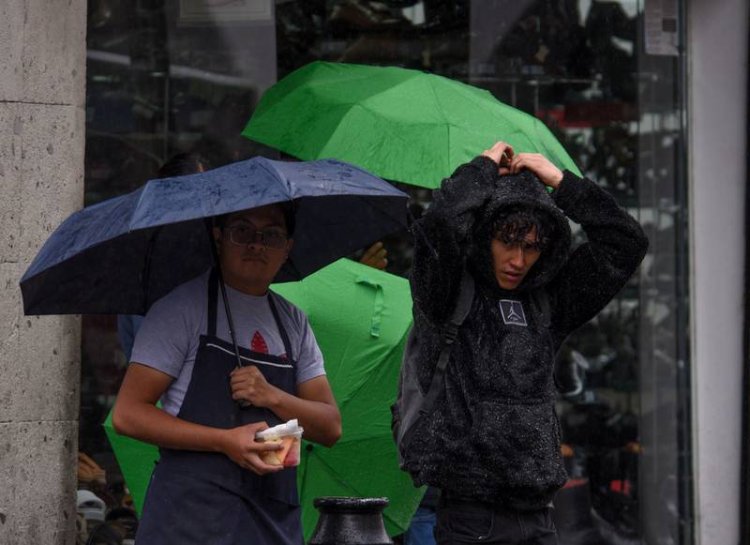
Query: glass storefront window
[[169, 76]]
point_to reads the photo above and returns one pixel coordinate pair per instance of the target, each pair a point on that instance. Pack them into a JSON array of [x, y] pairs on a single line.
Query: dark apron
[[203, 497]]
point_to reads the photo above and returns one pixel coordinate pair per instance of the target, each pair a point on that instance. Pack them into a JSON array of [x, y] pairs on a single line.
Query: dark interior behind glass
[[163, 80]]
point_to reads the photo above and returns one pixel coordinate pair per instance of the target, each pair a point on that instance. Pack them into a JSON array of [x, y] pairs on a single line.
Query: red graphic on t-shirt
[[258, 344]]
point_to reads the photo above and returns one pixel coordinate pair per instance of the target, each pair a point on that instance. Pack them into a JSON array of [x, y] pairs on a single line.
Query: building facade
[[649, 97]]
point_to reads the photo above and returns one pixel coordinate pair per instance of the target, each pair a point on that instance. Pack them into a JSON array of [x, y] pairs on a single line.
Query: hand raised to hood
[[502, 154], [537, 163]]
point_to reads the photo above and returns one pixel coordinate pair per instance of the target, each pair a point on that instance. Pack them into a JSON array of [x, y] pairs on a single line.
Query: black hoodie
[[495, 436]]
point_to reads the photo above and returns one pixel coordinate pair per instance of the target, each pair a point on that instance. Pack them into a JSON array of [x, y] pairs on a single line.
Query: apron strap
[[280, 326], [213, 299]]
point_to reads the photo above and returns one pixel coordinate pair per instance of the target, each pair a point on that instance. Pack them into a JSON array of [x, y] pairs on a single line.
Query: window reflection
[[160, 83]]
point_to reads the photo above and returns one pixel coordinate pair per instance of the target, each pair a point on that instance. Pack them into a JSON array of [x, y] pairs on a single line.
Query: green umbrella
[[400, 124], [136, 461], [360, 317]]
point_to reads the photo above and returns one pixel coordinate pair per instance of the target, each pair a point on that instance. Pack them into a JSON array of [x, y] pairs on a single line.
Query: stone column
[[42, 124]]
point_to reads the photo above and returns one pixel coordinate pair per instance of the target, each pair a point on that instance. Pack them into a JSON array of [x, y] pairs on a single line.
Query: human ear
[[216, 232]]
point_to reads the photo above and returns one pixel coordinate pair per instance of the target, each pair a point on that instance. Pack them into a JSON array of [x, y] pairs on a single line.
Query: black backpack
[[411, 403]]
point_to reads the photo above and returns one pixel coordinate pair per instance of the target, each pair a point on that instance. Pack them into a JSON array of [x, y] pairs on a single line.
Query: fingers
[[89, 470], [251, 456], [500, 152], [255, 445], [83, 457], [523, 160], [375, 256], [244, 386], [531, 161], [537, 163], [244, 373], [245, 377], [255, 427], [373, 250], [250, 385], [258, 466], [262, 446], [86, 463]]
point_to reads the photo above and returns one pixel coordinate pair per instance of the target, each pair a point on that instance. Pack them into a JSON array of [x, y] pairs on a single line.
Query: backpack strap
[[450, 332], [541, 301]]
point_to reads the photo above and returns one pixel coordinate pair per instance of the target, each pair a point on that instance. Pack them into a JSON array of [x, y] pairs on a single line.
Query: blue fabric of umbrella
[[121, 255]]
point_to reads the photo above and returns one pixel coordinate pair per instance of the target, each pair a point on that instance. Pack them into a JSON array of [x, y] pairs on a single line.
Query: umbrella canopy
[[121, 255], [136, 460], [360, 317], [401, 124]]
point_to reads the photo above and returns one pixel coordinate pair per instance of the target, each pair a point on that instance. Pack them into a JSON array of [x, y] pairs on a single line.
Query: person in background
[[178, 165], [421, 530]]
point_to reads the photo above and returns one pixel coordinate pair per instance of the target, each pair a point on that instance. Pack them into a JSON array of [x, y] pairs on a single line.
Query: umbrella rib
[[448, 125], [277, 174], [138, 204], [365, 108], [334, 473]]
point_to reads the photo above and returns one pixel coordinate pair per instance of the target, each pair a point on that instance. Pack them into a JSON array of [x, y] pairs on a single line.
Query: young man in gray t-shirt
[[211, 484]]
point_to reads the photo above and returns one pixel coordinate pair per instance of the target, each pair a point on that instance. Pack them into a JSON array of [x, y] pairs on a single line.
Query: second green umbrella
[[403, 125]]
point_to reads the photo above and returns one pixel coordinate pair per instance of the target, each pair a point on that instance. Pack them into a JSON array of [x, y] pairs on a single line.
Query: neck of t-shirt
[[243, 293]]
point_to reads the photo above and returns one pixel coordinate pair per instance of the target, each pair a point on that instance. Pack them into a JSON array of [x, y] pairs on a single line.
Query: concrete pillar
[[42, 81]]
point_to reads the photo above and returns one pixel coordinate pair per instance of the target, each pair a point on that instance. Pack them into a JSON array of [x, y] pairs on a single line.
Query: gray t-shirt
[[169, 337]]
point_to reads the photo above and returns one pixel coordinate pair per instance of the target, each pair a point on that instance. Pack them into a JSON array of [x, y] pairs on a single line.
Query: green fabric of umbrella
[[136, 461], [403, 125], [360, 317]]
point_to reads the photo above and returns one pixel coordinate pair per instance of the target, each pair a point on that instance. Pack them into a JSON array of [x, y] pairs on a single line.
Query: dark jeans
[[422, 528], [466, 521]]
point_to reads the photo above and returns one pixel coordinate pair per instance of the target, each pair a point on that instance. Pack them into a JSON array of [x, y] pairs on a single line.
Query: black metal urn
[[350, 521]]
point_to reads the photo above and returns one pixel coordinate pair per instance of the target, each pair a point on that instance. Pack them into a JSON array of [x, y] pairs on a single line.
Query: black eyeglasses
[[242, 235]]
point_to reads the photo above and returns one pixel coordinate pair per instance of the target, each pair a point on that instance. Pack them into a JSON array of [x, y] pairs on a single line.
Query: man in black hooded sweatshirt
[[492, 445]]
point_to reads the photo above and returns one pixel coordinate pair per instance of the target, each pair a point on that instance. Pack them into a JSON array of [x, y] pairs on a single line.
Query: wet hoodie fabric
[[494, 436]]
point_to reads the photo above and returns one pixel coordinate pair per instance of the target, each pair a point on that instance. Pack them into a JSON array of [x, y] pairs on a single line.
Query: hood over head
[[526, 190]]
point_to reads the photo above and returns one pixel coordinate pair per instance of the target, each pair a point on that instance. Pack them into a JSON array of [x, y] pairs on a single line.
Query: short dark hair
[[288, 209], [512, 224], [181, 164]]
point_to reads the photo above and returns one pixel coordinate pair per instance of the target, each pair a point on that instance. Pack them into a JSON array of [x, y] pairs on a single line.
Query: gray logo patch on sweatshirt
[[512, 312]]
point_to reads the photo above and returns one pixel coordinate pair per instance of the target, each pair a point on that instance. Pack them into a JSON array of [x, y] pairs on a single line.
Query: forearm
[[150, 424], [455, 204], [442, 237], [322, 421], [609, 228], [599, 268]]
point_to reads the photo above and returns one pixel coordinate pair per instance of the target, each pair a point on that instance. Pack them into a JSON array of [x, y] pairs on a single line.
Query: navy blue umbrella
[[121, 255]]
